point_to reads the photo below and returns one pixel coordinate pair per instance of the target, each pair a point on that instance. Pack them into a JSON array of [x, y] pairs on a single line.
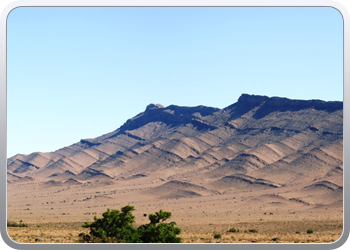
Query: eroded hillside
[[288, 150]]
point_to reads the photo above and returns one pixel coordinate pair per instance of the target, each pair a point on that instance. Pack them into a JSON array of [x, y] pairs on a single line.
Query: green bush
[[157, 231], [15, 224], [309, 231], [297, 232], [116, 226], [233, 230], [217, 235], [253, 230]]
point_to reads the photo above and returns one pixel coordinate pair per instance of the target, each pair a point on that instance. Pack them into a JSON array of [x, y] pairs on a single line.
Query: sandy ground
[[56, 214]]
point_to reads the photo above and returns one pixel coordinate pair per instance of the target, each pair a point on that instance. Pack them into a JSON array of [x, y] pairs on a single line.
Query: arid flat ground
[[55, 218], [268, 232]]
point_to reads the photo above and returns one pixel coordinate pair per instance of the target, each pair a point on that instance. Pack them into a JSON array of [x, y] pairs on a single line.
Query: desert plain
[[55, 218]]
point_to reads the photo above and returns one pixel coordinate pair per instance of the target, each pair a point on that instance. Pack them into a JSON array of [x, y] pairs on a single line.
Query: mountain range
[[257, 143]]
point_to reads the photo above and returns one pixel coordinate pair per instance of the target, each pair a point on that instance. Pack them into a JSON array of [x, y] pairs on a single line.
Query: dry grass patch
[[49, 233], [268, 232]]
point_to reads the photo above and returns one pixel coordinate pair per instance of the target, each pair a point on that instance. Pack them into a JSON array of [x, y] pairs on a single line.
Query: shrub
[[157, 231], [217, 235], [309, 231], [253, 230], [297, 232], [233, 230], [116, 226], [15, 224]]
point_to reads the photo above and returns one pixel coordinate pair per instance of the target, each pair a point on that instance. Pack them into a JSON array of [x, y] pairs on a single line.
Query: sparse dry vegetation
[[269, 232], [15, 224]]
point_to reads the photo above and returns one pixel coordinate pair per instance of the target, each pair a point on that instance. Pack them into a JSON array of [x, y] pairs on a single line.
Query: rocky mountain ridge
[[256, 143]]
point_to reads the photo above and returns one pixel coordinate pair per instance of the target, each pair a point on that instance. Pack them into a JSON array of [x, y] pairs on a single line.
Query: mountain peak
[[154, 106], [252, 99]]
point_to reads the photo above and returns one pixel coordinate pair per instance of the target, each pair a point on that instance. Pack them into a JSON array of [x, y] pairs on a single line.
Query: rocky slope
[[256, 143]]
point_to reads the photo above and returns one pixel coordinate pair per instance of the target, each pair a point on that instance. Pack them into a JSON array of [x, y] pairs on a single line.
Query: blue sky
[[75, 73]]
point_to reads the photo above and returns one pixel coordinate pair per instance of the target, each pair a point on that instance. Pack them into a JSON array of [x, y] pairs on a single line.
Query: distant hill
[[256, 143]]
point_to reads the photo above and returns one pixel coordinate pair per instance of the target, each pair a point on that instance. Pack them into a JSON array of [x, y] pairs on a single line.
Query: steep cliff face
[[258, 141], [277, 104], [265, 105]]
